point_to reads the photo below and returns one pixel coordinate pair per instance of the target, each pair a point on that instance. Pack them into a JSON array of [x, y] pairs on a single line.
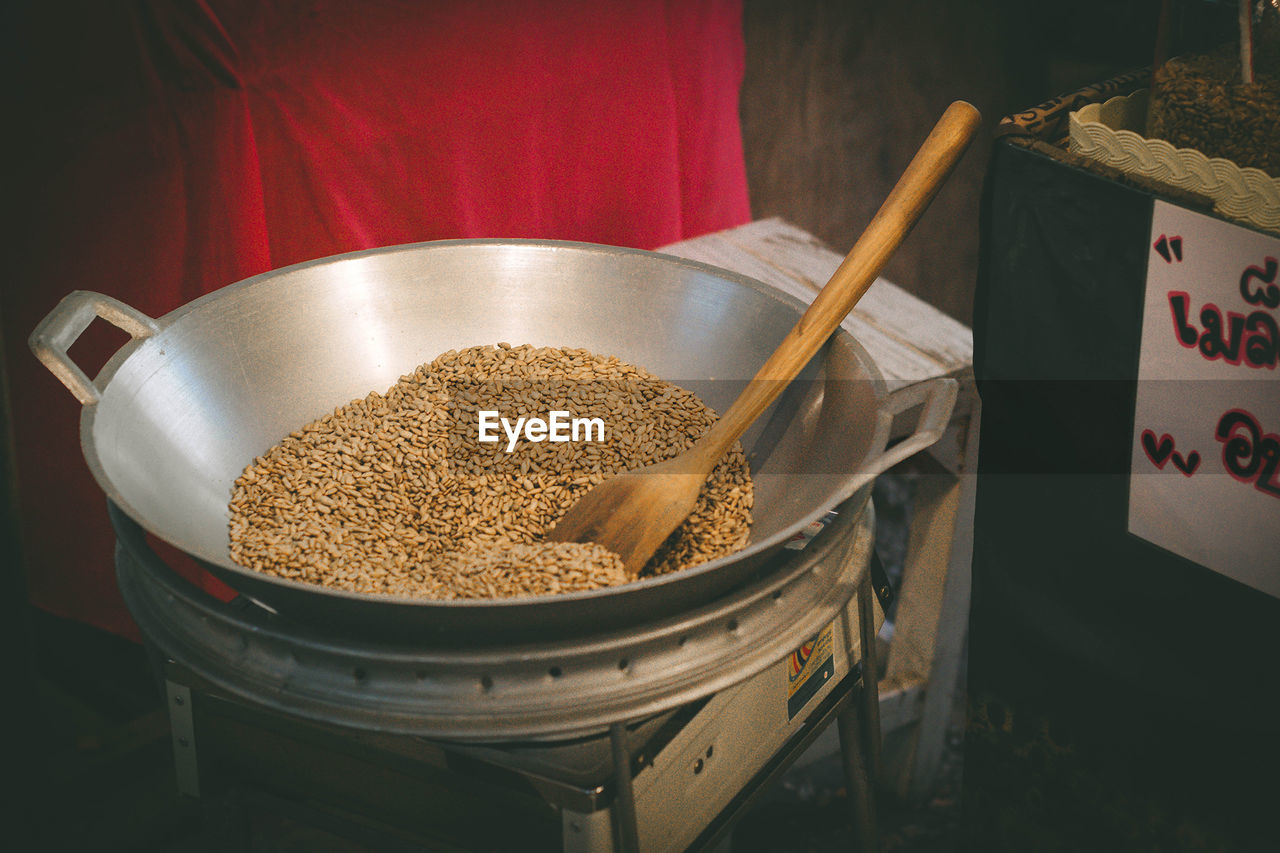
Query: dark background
[[838, 95]]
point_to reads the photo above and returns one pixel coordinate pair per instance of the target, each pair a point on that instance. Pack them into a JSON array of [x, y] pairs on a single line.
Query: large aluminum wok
[[177, 413]]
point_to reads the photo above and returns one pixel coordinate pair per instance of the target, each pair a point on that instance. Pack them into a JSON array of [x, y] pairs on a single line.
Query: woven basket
[[1111, 133]]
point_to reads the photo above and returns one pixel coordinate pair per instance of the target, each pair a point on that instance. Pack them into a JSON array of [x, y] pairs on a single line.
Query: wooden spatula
[[634, 512]]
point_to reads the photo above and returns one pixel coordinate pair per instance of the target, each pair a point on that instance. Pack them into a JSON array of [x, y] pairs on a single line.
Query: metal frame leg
[[858, 784], [870, 674], [624, 802], [184, 738], [858, 725]]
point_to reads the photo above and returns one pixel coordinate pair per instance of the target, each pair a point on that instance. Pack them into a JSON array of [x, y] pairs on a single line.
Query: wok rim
[[850, 483]]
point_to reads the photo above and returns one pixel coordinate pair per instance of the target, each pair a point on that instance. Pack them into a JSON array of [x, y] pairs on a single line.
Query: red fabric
[[176, 147]]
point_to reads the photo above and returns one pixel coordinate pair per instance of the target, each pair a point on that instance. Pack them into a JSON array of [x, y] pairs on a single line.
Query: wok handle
[[939, 398], [64, 325]]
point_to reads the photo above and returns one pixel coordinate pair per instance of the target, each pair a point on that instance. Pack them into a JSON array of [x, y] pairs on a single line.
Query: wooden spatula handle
[[886, 231]]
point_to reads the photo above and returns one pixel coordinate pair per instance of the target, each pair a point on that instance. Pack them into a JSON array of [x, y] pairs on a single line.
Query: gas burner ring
[[562, 689]]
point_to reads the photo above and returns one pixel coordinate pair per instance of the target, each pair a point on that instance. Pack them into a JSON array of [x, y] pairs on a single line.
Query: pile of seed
[[394, 493], [1200, 102]]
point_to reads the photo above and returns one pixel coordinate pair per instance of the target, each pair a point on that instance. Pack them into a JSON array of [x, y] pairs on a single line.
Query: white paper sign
[[1205, 471]]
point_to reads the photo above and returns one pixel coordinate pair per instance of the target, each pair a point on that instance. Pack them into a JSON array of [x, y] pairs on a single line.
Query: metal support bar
[[880, 581], [624, 805], [182, 727], [862, 797], [870, 691]]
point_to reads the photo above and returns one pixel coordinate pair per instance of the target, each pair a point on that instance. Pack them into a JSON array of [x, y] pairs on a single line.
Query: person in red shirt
[[170, 149]]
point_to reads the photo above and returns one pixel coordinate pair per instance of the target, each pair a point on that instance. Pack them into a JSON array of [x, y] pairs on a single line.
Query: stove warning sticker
[[809, 668]]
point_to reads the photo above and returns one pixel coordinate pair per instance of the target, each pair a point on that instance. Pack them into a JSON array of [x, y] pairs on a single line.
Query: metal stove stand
[[651, 740]]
